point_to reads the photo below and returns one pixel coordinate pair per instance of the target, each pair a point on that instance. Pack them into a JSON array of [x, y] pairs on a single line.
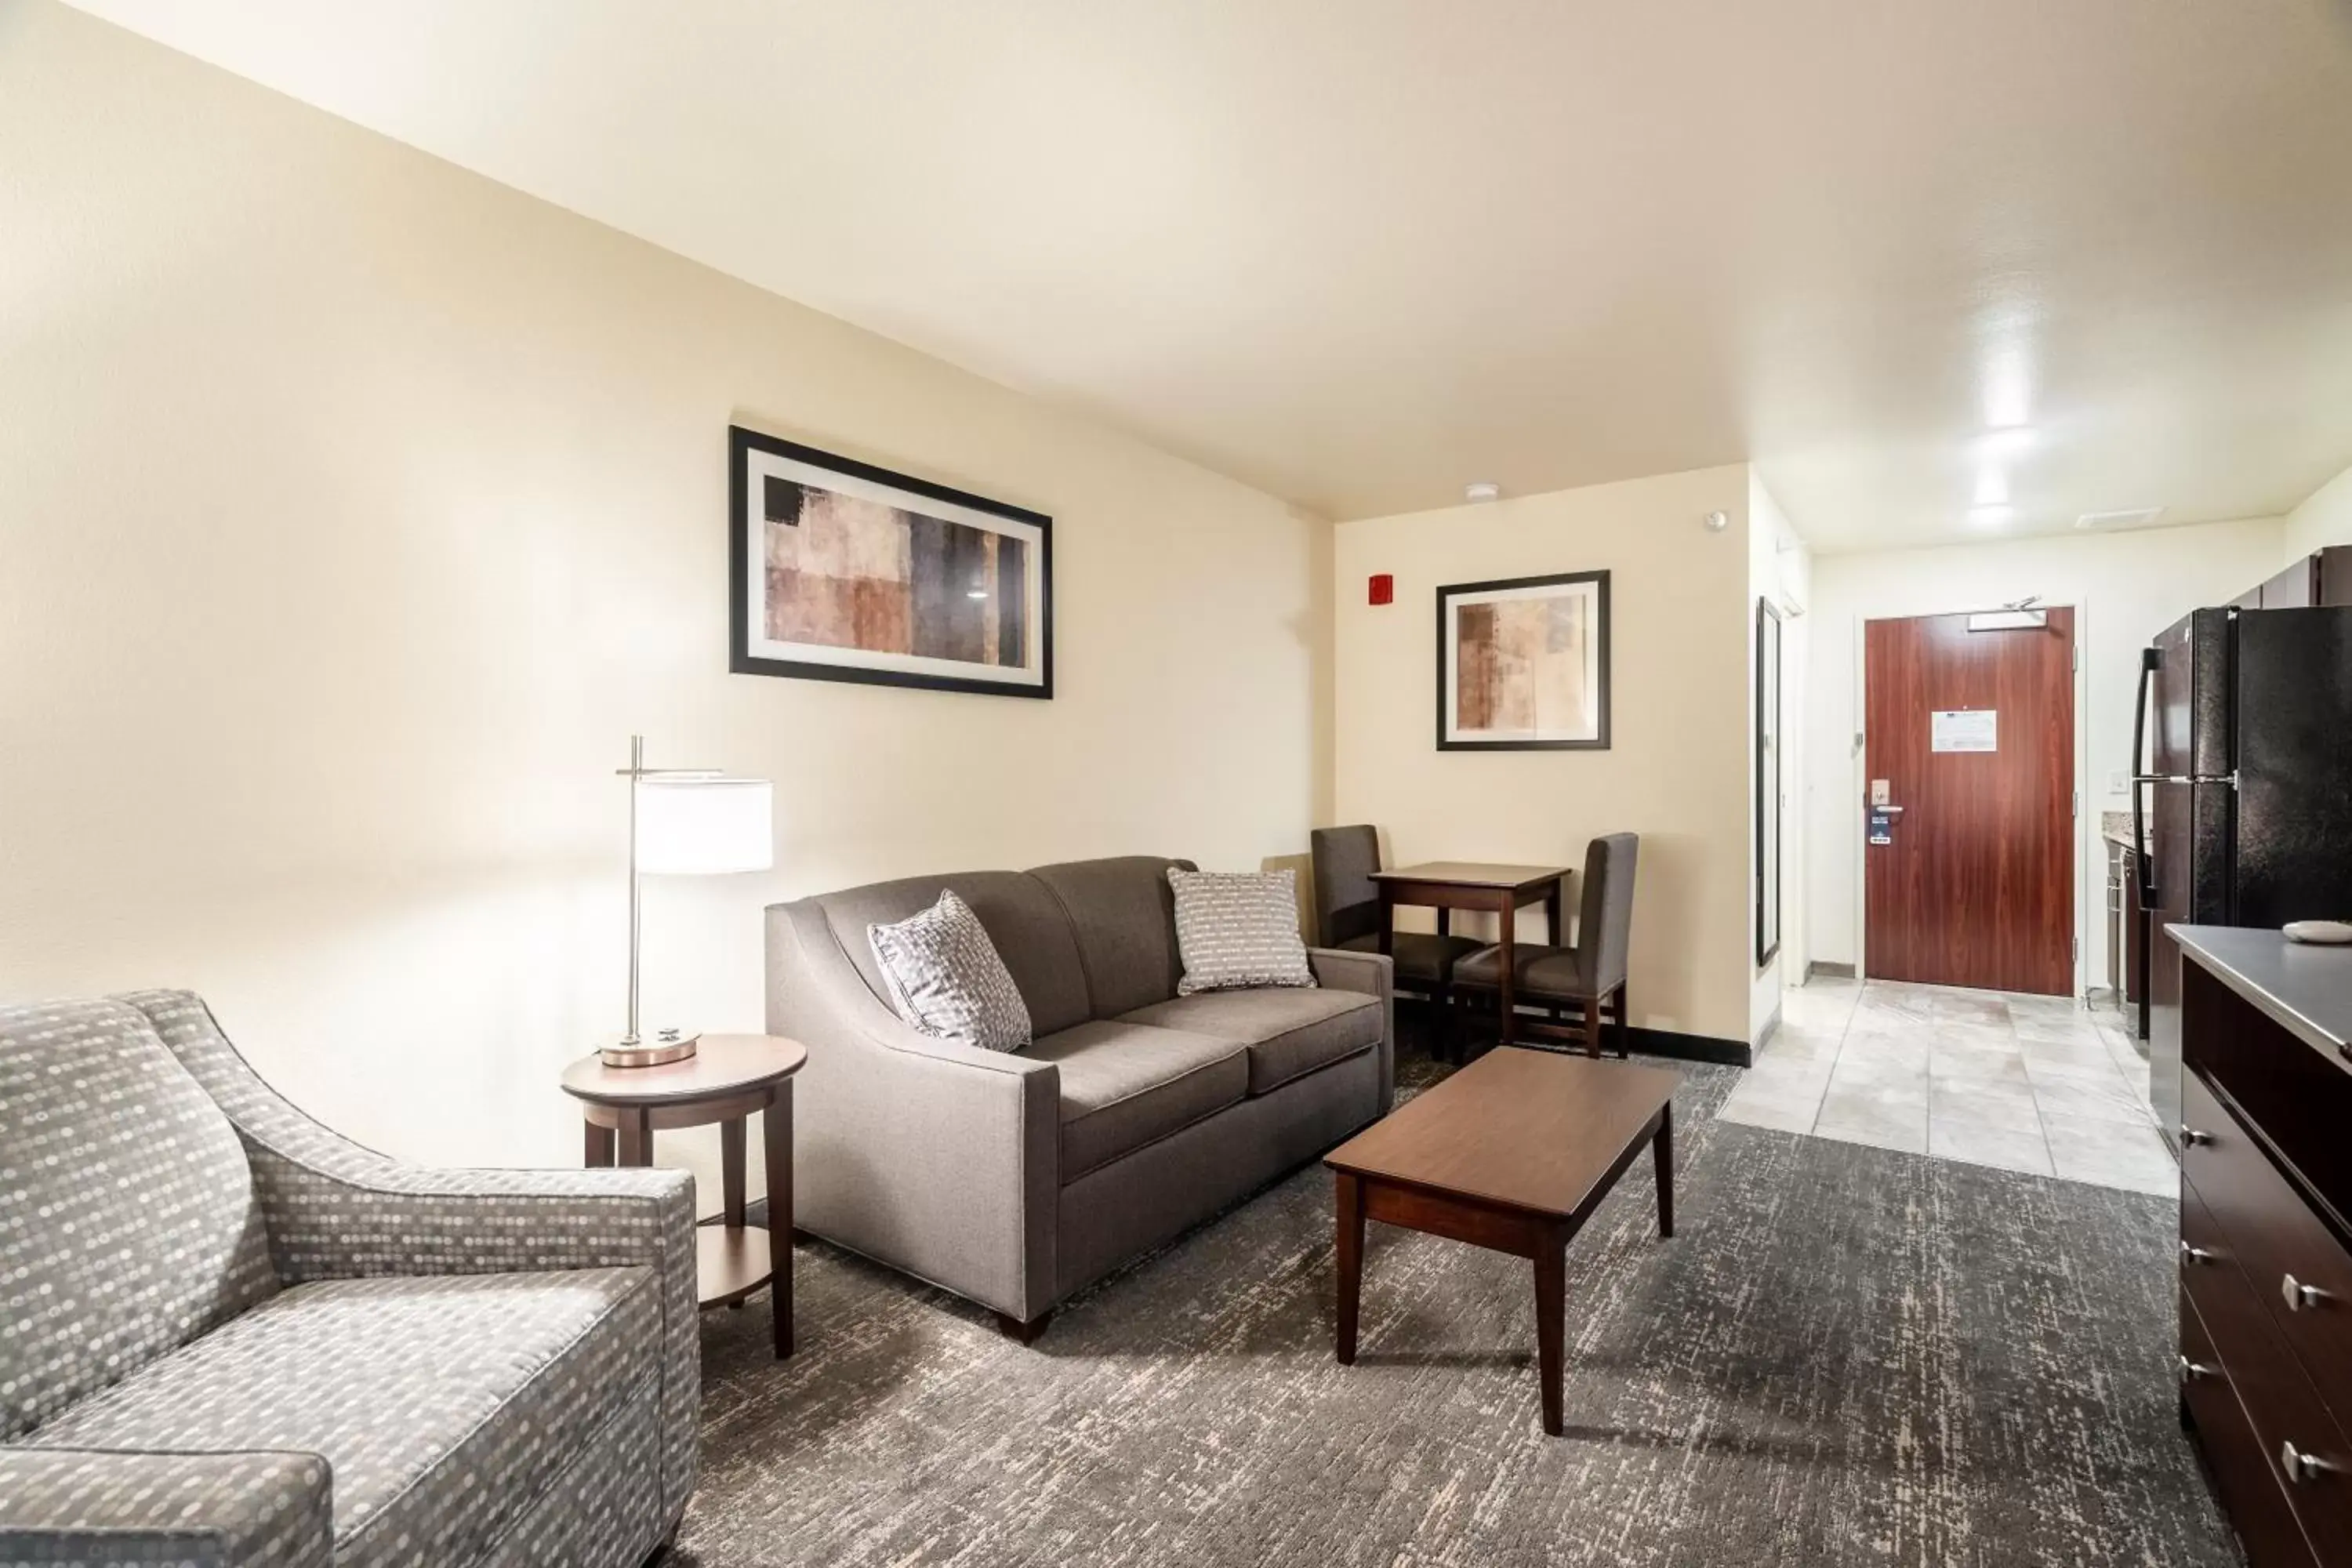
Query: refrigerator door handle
[[2150, 661]]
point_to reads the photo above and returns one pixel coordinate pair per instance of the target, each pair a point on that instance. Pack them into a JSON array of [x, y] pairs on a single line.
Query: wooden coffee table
[[1513, 1153]]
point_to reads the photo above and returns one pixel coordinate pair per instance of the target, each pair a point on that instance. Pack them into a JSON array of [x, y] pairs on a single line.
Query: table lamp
[[690, 822]]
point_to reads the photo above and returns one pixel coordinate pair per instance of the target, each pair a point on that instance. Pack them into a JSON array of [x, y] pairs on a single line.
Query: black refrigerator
[[2242, 803]]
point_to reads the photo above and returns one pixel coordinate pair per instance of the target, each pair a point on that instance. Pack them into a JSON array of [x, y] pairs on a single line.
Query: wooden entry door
[[1971, 882]]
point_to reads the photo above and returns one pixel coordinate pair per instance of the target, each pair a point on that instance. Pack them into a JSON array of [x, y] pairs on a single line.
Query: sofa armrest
[[1373, 974], [335, 1210], [79, 1508], [939, 1159]]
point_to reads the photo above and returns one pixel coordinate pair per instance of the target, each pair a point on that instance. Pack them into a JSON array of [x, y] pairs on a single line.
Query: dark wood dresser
[[2265, 1251]]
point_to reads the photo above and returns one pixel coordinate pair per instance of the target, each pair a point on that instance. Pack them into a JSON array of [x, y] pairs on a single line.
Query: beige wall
[[1677, 773], [2323, 520], [355, 509], [2126, 587]]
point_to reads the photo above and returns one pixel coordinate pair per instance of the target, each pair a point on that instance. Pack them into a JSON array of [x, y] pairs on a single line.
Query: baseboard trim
[[1828, 971], [1692, 1047]]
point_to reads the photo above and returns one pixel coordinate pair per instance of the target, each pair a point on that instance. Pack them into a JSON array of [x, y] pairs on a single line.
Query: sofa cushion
[[1287, 1032], [444, 1405], [1123, 914], [1021, 916], [1126, 1084], [127, 1221]]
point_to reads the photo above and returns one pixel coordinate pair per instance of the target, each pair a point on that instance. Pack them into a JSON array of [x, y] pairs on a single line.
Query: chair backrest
[[128, 1220], [1604, 929], [1347, 901]]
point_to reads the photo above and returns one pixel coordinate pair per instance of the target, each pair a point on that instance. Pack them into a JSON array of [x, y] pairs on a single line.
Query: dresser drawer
[[2251, 1494], [2276, 1395], [2290, 1257]]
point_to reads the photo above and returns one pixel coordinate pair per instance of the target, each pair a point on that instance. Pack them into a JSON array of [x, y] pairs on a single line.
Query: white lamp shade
[[705, 827]]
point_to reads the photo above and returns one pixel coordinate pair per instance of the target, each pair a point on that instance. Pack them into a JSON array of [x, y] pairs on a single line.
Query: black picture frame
[[741, 444], [1448, 593]]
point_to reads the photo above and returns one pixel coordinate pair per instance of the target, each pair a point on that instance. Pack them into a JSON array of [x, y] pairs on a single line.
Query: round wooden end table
[[728, 1077]]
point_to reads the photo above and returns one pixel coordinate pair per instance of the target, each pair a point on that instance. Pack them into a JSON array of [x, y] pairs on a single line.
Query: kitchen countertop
[[2308, 989], [2116, 827]]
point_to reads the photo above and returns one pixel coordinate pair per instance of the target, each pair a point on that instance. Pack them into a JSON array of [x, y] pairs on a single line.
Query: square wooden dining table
[[1499, 891]]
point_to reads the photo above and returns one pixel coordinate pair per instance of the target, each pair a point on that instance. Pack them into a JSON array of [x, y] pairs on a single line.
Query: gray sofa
[[1016, 1179], [231, 1337]]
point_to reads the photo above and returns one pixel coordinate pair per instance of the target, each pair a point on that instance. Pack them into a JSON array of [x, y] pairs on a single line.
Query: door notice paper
[[1965, 729]]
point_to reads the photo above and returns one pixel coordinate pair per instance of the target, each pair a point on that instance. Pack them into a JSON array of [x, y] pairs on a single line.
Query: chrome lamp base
[[668, 1046]]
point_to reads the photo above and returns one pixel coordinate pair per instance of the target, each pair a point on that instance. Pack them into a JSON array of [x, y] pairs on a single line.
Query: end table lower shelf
[[731, 1262]]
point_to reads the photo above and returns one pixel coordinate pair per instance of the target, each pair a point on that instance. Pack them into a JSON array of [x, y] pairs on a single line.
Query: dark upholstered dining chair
[[1348, 912], [1589, 976]]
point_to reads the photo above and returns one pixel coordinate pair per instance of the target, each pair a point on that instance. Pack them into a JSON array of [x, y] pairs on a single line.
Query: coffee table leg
[[776, 1128], [601, 1144], [1663, 1148], [1350, 1225], [1551, 1310]]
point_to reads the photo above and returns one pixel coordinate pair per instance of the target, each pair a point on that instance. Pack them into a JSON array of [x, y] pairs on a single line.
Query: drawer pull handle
[[2193, 1136], [2302, 1466], [2300, 1297], [2190, 1371], [2191, 1255]]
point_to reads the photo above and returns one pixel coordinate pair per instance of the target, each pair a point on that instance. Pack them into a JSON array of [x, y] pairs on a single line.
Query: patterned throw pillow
[[1238, 928], [946, 979]]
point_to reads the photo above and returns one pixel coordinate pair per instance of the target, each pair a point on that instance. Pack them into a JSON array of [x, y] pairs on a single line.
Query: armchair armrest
[[335, 1210], [79, 1508], [939, 1159], [1373, 974]]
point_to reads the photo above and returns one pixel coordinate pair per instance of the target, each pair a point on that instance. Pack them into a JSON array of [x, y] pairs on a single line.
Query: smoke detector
[[2135, 517], [1481, 490]]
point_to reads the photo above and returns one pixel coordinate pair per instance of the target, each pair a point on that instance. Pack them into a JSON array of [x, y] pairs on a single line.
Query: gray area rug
[[1845, 1356]]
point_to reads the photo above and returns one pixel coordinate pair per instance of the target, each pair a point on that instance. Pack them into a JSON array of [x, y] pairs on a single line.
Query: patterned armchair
[[229, 1336]]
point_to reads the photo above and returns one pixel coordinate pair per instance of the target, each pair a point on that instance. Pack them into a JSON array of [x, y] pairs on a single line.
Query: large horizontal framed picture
[[1523, 663], [842, 571]]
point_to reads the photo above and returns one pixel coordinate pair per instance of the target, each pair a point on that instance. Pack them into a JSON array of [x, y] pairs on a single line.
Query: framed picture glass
[[842, 571], [1523, 663]]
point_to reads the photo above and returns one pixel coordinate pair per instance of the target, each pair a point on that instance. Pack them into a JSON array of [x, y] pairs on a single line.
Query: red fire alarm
[[1383, 588]]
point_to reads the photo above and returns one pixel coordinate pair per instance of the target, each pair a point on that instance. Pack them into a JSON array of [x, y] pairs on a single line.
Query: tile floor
[[2042, 1084]]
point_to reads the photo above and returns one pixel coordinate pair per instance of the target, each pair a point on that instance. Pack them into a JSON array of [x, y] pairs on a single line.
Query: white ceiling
[[1358, 252]]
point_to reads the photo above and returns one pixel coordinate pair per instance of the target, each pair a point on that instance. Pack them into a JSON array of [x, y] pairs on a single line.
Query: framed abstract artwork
[[842, 571], [1523, 663]]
